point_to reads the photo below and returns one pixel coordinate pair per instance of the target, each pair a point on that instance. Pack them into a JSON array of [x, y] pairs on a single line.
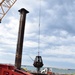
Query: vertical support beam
[[18, 58]]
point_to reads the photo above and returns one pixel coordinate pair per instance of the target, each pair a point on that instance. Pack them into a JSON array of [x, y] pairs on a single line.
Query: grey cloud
[[59, 17]]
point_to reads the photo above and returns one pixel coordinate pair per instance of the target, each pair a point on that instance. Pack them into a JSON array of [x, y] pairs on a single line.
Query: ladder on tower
[[5, 6]]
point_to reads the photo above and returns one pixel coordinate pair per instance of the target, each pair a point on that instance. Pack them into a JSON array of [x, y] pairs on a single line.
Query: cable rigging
[[39, 28], [38, 63]]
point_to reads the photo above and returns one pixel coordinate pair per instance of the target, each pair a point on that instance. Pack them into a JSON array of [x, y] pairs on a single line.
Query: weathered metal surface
[[18, 58], [6, 69], [38, 63]]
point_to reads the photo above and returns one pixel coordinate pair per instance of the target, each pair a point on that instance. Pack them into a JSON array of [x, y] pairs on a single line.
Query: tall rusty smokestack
[[18, 58]]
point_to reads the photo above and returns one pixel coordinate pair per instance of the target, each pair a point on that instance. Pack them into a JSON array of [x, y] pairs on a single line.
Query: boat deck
[[38, 74]]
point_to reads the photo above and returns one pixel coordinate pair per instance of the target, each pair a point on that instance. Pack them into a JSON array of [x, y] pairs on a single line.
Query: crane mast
[[5, 6]]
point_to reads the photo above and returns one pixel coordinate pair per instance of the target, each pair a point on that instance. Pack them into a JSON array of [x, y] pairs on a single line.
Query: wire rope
[[39, 27]]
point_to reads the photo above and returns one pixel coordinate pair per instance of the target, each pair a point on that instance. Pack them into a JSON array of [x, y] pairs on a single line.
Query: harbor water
[[54, 70]]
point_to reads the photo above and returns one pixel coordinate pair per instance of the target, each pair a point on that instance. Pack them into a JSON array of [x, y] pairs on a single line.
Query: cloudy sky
[[57, 38]]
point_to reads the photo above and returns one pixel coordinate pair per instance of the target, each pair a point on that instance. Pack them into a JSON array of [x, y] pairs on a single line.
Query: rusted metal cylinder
[[18, 57]]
